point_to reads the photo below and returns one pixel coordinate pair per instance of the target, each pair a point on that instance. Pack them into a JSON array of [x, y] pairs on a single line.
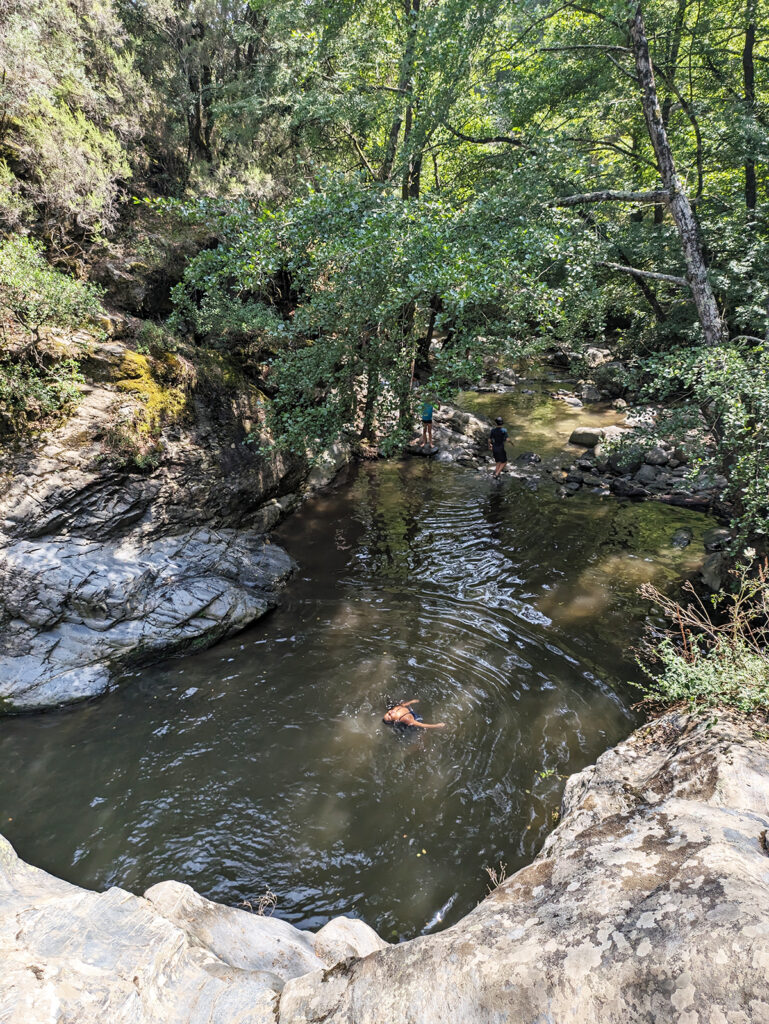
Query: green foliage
[[726, 674], [30, 395], [39, 296], [726, 391], [70, 104], [127, 447], [343, 284], [155, 340], [707, 663]]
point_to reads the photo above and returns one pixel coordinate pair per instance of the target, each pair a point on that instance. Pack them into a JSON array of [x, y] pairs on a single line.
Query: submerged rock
[[682, 538], [717, 538], [713, 571]]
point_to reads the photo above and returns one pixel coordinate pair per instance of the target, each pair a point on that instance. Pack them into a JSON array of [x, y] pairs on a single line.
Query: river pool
[[263, 762]]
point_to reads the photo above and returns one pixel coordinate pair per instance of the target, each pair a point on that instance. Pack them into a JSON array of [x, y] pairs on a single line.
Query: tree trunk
[[680, 207], [749, 81], [670, 72], [372, 388], [422, 362], [410, 14]]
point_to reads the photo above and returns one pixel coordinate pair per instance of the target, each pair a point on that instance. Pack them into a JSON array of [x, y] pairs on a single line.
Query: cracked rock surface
[[77, 610], [102, 569], [170, 957]]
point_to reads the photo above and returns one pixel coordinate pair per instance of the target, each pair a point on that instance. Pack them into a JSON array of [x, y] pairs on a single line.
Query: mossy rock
[[163, 403]]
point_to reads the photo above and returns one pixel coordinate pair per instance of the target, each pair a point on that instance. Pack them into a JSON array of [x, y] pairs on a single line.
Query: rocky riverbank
[[611, 462], [123, 540], [648, 902]]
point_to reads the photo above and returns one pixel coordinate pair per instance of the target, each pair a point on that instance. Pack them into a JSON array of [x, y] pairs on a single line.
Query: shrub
[[127, 446], [37, 294], [709, 664], [29, 394], [154, 340]]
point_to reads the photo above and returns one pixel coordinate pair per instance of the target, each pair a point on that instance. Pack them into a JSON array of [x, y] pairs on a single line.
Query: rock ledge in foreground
[[648, 904]]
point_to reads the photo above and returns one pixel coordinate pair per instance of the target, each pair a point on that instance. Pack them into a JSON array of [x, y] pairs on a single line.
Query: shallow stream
[[263, 763]]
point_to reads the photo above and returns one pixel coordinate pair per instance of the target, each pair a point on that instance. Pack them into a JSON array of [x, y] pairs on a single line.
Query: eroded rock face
[[650, 902], [101, 568], [77, 611], [171, 957]]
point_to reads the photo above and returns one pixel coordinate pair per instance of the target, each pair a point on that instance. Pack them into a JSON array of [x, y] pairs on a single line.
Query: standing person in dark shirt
[[497, 439]]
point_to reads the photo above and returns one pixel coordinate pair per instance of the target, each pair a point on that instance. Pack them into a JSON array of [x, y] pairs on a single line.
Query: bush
[[128, 447], [29, 394], [707, 664], [38, 295], [152, 339], [727, 673]]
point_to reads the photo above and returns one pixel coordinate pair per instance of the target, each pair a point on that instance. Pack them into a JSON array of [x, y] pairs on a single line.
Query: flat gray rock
[[75, 612]]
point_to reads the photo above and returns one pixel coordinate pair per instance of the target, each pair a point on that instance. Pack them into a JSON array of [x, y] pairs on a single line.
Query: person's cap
[[498, 420]]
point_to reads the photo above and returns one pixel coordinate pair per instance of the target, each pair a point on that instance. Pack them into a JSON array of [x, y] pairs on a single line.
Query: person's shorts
[[427, 421], [500, 455]]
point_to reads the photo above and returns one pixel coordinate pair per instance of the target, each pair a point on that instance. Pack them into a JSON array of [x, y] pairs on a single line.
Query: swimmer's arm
[[408, 703], [426, 725]]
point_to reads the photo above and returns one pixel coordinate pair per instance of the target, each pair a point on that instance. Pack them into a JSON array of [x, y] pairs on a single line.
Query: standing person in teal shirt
[[427, 424]]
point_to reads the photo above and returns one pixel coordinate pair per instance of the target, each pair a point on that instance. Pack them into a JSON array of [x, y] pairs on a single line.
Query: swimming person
[[497, 439], [401, 714]]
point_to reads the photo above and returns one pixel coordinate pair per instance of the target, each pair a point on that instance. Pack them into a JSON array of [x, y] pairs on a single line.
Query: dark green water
[[264, 762]]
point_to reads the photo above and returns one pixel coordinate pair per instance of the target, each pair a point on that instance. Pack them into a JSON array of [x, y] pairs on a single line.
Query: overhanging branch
[[609, 195], [509, 140], [670, 278]]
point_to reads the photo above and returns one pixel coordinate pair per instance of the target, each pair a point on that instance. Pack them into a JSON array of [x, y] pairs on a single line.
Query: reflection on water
[[264, 763], [536, 425]]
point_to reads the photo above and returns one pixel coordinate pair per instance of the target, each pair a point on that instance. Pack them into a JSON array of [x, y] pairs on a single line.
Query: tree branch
[[609, 195], [670, 278], [508, 139], [359, 153], [585, 46]]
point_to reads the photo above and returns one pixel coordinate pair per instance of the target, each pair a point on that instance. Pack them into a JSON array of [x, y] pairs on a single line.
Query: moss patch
[[150, 382]]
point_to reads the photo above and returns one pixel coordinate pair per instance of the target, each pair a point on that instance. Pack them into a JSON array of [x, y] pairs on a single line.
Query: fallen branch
[[609, 195], [670, 278]]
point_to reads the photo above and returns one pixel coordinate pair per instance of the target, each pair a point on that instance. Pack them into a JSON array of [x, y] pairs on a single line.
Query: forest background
[[358, 183]]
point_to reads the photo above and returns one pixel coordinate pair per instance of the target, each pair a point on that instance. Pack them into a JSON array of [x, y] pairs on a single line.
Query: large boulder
[[76, 611], [172, 957], [587, 437]]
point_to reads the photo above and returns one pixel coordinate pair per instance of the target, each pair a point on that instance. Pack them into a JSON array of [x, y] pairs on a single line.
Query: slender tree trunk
[[670, 72], [422, 362], [749, 80], [372, 388], [405, 76], [680, 207]]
